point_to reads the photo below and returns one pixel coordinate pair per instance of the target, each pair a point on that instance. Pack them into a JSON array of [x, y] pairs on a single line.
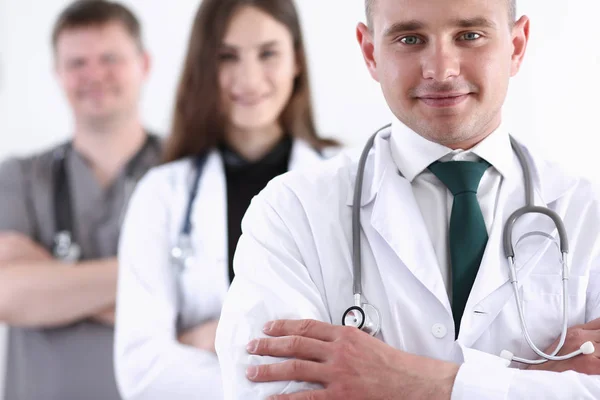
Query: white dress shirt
[[413, 154]]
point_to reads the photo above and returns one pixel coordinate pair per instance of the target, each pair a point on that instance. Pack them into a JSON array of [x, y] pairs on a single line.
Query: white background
[[554, 99]]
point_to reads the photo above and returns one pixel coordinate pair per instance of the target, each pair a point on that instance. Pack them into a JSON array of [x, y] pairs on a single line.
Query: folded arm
[[273, 282], [150, 361], [38, 291], [35, 289]]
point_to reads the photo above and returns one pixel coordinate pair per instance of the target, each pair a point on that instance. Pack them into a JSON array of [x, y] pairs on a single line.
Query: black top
[[245, 180]]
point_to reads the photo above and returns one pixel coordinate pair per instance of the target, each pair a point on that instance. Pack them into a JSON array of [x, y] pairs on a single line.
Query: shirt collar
[[412, 153]]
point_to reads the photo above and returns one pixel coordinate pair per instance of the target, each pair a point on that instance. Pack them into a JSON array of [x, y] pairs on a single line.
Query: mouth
[[94, 94], [443, 100], [250, 101]]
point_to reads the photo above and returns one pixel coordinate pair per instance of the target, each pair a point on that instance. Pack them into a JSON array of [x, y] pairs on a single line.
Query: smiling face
[[444, 65], [101, 69], [256, 71]]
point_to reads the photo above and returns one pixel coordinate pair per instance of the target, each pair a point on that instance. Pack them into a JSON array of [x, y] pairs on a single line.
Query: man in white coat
[[438, 189]]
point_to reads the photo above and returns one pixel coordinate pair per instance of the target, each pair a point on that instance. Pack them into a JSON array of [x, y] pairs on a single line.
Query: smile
[[442, 101]]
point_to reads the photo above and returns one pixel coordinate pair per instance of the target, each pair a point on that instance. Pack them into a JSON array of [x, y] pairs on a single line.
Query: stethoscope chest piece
[[183, 253], [366, 318], [65, 249]]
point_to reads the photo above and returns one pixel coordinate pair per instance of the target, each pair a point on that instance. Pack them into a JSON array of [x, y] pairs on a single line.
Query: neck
[[254, 144], [475, 140], [109, 147]]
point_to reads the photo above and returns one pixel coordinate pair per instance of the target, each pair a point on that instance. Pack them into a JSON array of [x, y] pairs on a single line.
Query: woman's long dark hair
[[198, 122]]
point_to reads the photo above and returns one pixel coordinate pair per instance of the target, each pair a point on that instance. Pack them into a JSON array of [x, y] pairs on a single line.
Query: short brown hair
[[370, 4], [85, 13], [198, 120]]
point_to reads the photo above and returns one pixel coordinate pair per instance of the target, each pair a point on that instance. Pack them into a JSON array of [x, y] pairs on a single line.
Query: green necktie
[[468, 235]]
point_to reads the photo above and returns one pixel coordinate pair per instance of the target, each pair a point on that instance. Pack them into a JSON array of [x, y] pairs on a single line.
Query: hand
[[201, 337], [18, 247], [576, 336], [349, 363], [105, 317]]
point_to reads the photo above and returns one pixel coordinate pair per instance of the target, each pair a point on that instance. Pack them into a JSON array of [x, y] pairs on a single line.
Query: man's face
[[444, 65], [101, 69]]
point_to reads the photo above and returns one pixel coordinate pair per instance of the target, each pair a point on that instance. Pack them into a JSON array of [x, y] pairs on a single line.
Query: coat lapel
[[396, 217], [210, 215]]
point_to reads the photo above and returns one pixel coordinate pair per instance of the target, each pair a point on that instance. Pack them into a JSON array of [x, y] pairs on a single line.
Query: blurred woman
[[242, 117]]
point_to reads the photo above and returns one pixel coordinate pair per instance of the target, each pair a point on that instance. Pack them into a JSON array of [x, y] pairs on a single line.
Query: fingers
[[291, 370], [307, 328], [290, 347], [591, 325], [307, 395]]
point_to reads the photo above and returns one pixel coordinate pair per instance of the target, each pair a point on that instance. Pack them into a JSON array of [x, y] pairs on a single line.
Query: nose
[[441, 62], [248, 76]]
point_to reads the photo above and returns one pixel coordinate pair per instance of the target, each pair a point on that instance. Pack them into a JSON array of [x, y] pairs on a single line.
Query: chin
[[249, 124]]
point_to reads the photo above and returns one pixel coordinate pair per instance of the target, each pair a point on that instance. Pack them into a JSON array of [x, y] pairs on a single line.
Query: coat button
[[439, 331]]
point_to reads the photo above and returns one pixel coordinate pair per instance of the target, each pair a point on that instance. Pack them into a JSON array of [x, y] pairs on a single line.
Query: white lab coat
[[150, 364], [294, 260]]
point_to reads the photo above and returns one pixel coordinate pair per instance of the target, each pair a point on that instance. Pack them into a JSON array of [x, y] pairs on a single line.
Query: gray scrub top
[[76, 361]]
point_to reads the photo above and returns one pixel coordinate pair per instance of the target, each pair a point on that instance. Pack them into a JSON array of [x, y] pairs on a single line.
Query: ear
[[367, 46], [520, 38]]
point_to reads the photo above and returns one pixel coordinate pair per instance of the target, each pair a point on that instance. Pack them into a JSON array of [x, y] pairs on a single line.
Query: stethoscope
[[366, 317], [65, 248], [183, 252]]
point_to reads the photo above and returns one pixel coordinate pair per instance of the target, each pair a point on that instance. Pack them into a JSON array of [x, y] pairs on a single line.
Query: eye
[[411, 40], [470, 36], [75, 64], [266, 54], [227, 57]]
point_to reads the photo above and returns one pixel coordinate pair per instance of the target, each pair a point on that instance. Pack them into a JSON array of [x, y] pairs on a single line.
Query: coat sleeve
[[150, 363], [271, 282]]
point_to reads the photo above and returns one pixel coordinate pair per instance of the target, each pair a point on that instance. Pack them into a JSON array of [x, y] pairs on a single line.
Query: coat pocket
[[543, 305]]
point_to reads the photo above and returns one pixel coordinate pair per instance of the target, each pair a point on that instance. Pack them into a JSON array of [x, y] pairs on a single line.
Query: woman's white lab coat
[[294, 260], [150, 364]]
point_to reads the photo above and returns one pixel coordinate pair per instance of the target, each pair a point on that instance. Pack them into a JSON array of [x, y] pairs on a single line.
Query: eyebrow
[[476, 22], [415, 25], [405, 26], [264, 45]]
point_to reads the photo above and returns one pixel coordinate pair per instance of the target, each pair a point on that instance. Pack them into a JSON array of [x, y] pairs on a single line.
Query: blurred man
[[62, 209]]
